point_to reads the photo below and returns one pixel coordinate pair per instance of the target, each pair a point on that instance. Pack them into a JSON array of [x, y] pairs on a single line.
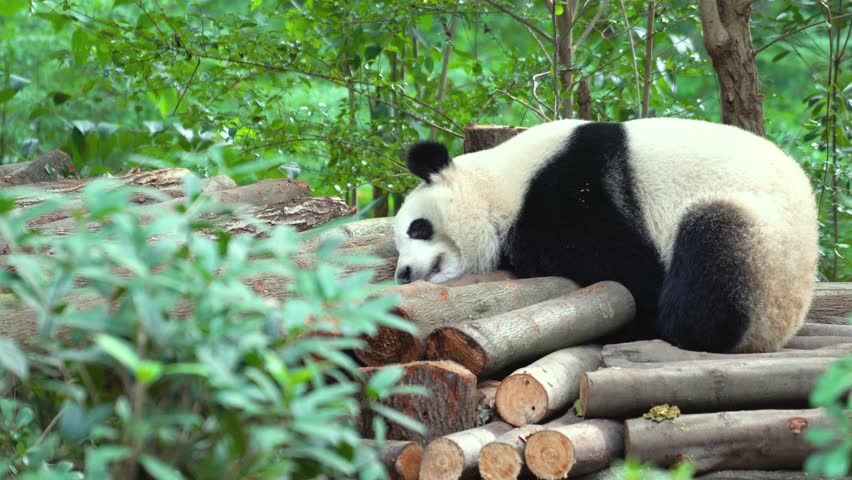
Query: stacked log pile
[[520, 384]]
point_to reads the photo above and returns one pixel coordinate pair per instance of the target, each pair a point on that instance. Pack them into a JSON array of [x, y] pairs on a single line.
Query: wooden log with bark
[[547, 386], [401, 458], [758, 439], [816, 342], [824, 330], [418, 287], [503, 459], [618, 473], [656, 353], [50, 166], [451, 406], [487, 393], [495, 343], [442, 306], [737, 384], [263, 192], [830, 299], [573, 450], [456, 455], [483, 137]]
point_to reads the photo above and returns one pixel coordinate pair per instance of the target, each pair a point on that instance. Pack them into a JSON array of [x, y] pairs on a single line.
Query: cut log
[[492, 344], [617, 473], [418, 287], [300, 213], [576, 449], [456, 455], [830, 299], [503, 459], [487, 391], [760, 439], [483, 137], [50, 166], [547, 386], [401, 458], [451, 406], [652, 353], [434, 308], [813, 343], [354, 229], [738, 384], [832, 320], [824, 330]]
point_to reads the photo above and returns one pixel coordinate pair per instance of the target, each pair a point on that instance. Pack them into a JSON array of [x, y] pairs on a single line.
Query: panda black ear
[[426, 158]]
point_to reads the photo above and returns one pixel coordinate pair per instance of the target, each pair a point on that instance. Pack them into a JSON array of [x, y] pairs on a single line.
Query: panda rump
[[712, 229]]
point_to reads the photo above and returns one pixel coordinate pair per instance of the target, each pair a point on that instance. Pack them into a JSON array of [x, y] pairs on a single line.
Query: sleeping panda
[[712, 229]]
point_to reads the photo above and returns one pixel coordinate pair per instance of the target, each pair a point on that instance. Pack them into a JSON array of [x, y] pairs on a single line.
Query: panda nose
[[404, 275]]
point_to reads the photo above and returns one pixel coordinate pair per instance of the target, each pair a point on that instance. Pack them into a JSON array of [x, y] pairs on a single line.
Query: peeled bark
[[655, 353], [760, 439], [547, 386], [434, 308], [503, 459], [451, 406], [491, 344], [300, 213], [50, 166], [740, 384], [418, 287], [483, 137], [366, 228], [574, 450], [456, 455], [727, 39]]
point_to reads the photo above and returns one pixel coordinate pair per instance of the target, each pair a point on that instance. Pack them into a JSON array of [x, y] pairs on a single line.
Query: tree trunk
[[366, 229], [584, 99], [491, 344], [503, 458], [655, 353], [300, 213], [483, 137], [50, 166], [727, 39], [434, 308], [419, 287], [456, 455], [451, 406], [761, 439], [577, 449], [547, 386], [701, 386]]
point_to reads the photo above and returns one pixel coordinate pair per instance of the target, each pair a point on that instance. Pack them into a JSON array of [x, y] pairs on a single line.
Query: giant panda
[[711, 228]]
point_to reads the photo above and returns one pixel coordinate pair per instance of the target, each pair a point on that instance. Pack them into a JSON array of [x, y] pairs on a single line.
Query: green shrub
[[181, 369]]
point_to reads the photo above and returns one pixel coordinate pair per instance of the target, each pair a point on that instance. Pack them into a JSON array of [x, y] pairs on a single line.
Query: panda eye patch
[[421, 229]]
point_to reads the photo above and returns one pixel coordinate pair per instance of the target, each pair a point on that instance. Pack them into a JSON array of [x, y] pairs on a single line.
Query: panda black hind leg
[[708, 293]]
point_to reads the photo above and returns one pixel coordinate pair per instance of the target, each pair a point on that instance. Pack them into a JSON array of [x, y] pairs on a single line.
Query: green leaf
[[74, 423], [160, 470], [399, 418], [60, 97], [149, 371], [6, 94], [382, 380], [118, 349], [80, 46], [780, 55], [11, 7], [13, 359], [560, 9]]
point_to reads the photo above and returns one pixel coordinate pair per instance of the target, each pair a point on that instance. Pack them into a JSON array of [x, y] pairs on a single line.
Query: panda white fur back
[[713, 229]]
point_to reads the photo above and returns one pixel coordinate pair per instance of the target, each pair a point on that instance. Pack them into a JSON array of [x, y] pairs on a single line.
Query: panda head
[[442, 229]]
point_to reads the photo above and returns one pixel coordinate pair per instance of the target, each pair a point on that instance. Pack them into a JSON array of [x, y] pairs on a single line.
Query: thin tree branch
[[649, 54], [793, 32], [445, 65], [523, 21], [537, 112], [186, 87], [632, 50], [591, 24]]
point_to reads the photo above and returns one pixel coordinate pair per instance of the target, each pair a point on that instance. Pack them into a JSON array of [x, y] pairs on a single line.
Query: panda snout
[[403, 274]]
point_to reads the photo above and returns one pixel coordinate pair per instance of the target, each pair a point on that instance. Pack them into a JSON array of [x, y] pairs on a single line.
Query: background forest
[[333, 92]]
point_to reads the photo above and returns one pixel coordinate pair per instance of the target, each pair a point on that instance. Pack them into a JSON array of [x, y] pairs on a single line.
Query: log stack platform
[[521, 384]]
